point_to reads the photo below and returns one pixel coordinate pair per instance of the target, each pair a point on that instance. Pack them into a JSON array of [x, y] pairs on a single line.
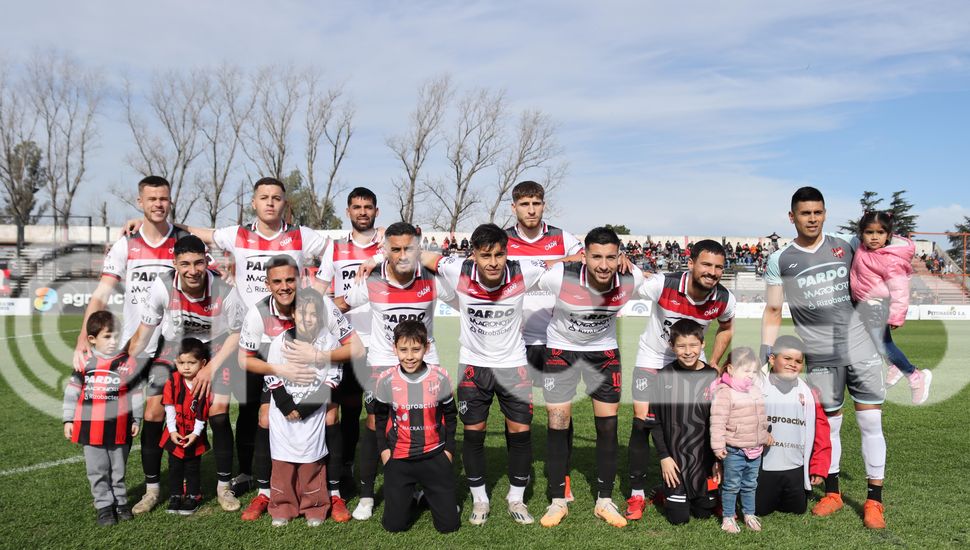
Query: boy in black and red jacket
[[416, 420], [102, 411]]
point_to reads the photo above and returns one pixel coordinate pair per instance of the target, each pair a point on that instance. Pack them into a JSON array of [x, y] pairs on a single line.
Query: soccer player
[[338, 267], [192, 303], [416, 421], [581, 343], [679, 418], [400, 289], [136, 260], [102, 413], [695, 294], [812, 274]]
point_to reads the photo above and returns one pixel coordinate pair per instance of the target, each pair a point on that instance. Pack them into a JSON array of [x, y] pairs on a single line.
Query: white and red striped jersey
[[491, 318], [262, 323], [583, 318], [669, 291], [136, 263], [552, 244], [251, 250], [339, 266], [219, 311], [391, 304]]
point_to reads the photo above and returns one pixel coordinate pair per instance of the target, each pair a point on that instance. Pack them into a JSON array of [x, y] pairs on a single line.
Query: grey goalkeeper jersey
[[816, 285]]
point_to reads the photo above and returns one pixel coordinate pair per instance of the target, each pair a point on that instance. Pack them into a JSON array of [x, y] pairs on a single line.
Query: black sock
[[222, 445], [246, 424], [262, 462], [606, 450], [569, 447], [473, 457], [556, 450], [639, 451], [335, 456], [832, 483], [368, 463], [176, 475], [151, 452], [875, 493], [350, 431], [520, 457]]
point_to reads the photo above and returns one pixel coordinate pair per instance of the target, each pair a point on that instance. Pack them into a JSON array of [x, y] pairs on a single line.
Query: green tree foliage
[[619, 229], [21, 183], [956, 242], [306, 208], [904, 221]]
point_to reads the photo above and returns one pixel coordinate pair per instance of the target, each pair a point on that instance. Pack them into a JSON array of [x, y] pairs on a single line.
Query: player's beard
[[362, 228]]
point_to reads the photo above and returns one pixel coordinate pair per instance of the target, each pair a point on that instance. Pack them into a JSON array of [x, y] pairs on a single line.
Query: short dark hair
[[189, 244], [707, 245], [528, 188], [195, 348], [153, 181], [601, 235], [787, 341], [282, 260], [98, 321], [411, 330], [883, 218], [806, 194], [686, 327], [398, 229], [268, 181], [362, 193], [488, 235]]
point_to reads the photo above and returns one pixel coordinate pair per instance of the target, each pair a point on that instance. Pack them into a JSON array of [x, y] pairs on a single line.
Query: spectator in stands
[[464, 244]]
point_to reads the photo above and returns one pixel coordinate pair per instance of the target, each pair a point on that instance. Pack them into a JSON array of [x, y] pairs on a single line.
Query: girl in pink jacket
[[739, 432], [879, 281]]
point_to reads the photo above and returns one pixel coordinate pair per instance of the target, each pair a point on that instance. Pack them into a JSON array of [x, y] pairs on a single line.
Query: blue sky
[[694, 117]]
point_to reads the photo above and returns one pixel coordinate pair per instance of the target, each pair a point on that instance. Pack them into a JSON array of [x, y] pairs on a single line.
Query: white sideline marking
[[46, 465], [31, 335]]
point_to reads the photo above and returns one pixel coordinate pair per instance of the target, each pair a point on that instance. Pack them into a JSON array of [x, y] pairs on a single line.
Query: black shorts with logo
[[163, 365], [535, 355], [642, 378], [375, 373], [600, 370], [479, 385]]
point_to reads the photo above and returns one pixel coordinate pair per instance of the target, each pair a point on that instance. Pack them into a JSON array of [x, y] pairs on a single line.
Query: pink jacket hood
[[884, 274]]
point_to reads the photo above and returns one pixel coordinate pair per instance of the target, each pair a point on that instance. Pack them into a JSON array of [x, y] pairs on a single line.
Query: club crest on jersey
[[801, 399], [434, 388], [548, 383], [838, 252], [462, 407], [469, 372]]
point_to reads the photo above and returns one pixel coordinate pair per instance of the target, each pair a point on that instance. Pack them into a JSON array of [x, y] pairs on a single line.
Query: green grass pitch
[[49, 506]]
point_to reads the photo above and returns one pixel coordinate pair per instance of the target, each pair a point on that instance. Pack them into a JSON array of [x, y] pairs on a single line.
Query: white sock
[[835, 427], [638, 493], [335, 493], [516, 494], [264, 492], [222, 484], [479, 494], [153, 487], [873, 442]]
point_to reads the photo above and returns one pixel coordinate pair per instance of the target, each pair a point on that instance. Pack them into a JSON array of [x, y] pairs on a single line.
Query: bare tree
[[413, 147], [176, 101], [227, 109], [67, 100], [475, 145], [326, 119], [534, 146], [267, 132]]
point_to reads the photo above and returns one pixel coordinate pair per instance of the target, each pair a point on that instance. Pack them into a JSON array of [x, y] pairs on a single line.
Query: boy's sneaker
[[520, 513], [123, 512], [607, 511], [257, 507], [893, 376], [147, 502], [279, 522], [828, 505], [364, 509], [479, 514], [554, 513], [227, 499], [338, 510], [730, 525], [190, 503], [872, 515], [106, 516], [569, 491], [635, 505], [174, 504], [919, 383]]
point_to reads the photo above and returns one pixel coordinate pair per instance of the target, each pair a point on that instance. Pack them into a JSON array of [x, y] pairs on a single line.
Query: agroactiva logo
[[45, 298]]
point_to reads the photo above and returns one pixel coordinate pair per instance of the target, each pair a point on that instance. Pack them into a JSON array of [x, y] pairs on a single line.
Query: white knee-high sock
[[835, 437], [873, 442]]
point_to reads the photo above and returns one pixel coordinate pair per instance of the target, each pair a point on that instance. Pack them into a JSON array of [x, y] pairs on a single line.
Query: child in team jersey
[[102, 412], [416, 423], [678, 417], [879, 281], [739, 432], [185, 436]]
